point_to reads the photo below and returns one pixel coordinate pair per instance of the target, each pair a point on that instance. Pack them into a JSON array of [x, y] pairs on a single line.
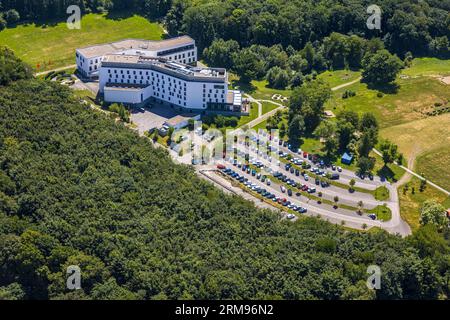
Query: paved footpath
[[409, 171]]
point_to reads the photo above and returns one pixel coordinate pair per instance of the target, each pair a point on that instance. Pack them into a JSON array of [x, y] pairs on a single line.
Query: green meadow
[[53, 46]]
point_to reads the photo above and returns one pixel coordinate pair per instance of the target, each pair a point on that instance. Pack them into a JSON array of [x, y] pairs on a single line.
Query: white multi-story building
[[134, 79], [180, 49], [135, 71]]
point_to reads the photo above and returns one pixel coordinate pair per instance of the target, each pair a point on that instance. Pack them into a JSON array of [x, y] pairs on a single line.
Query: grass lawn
[[253, 115], [54, 46], [261, 125], [428, 66], [391, 172], [395, 108], [383, 213], [267, 107], [381, 193], [257, 89], [435, 165], [420, 136], [338, 77], [410, 202], [427, 141]]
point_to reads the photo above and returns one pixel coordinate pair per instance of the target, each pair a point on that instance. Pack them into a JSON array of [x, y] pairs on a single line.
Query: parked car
[[373, 216], [339, 169], [289, 192], [283, 189], [334, 176]]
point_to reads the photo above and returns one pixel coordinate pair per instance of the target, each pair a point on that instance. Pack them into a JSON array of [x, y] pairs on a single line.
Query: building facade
[[163, 71], [180, 49]]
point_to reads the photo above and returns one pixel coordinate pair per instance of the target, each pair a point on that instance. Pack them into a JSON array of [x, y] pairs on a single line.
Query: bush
[[11, 17], [348, 94], [11, 68], [380, 95], [277, 78], [2, 22], [121, 111]]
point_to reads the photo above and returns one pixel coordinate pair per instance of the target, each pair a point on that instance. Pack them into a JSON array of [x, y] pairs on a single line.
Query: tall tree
[[381, 67]]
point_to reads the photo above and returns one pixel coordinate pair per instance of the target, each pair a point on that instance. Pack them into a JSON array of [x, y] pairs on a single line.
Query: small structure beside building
[[347, 158], [181, 121]]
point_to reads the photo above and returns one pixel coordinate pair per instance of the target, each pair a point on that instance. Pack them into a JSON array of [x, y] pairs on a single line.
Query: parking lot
[[81, 84], [300, 205], [152, 117]]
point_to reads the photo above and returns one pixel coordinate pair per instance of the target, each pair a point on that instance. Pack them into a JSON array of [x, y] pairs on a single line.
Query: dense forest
[[77, 188], [421, 27]]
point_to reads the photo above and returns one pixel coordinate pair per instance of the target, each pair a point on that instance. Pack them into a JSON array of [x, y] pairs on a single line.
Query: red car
[[305, 188], [221, 167], [305, 154]]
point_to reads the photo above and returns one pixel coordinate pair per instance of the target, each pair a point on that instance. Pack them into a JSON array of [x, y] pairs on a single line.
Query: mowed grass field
[[54, 46], [412, 199], [424, 140], [428, 67], [435, 165], [421, 136], [339, 77], [413, 95]]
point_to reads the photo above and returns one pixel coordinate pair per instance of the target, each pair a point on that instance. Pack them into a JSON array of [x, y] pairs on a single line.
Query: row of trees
[[25, 10], [12, 68], [288, 67], [77, 188], [420, 27]]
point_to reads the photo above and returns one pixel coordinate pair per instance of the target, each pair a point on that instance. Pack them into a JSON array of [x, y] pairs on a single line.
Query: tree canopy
[[78, 188]]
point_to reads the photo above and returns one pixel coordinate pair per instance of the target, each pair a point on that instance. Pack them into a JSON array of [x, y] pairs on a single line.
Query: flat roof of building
[[124, 86], [162, 64], [234, 97], [149, 45]]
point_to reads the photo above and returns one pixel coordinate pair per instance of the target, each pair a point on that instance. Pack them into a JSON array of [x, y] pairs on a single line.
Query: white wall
[[166, 88], [131, 96], [88, 66]]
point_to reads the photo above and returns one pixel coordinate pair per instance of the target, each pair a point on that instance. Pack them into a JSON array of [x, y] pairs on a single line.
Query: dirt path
[[55, 70], [410, 172], [407, 176], [346, 84]]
